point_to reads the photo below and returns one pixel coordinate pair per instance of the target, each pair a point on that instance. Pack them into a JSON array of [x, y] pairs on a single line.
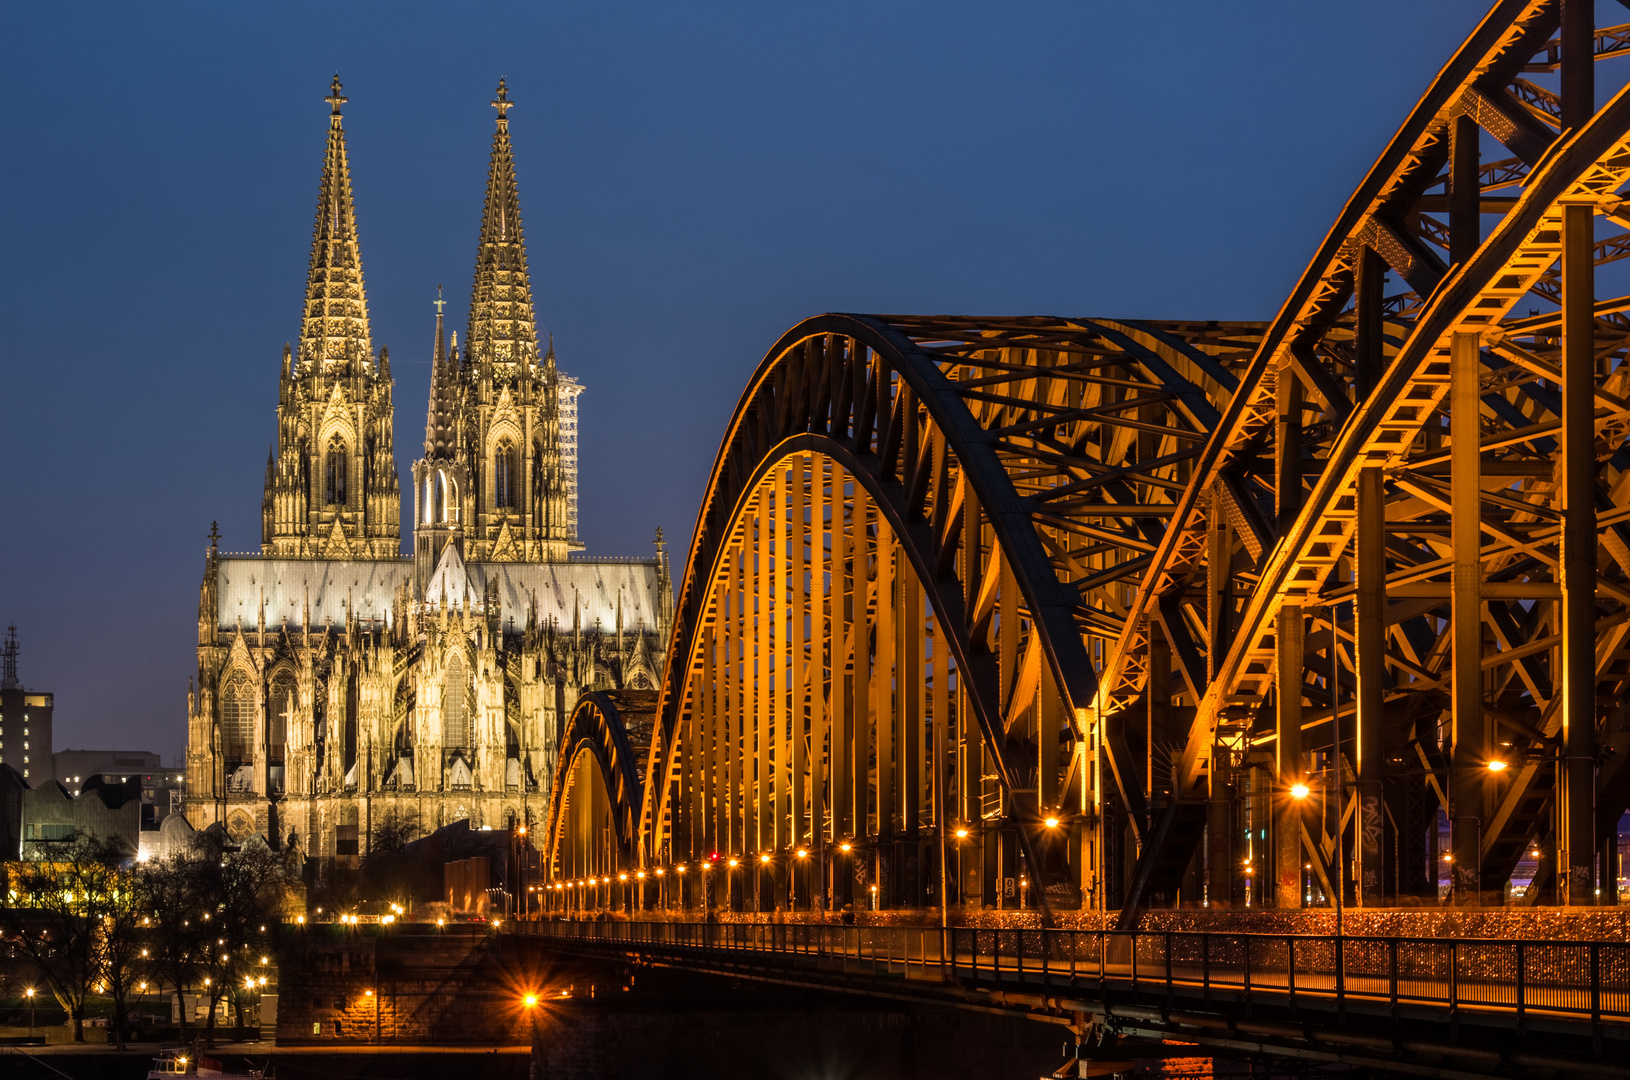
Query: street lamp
[[1496, 766], [29, 993], [1299, 791]]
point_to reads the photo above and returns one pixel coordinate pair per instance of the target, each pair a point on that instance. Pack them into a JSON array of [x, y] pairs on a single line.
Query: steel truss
[[982, 574]]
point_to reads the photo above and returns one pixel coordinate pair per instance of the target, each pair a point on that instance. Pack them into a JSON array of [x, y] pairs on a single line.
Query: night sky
[[695, 179]]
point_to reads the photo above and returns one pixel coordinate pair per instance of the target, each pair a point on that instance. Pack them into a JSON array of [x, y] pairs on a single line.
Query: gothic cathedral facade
[[339, 681]]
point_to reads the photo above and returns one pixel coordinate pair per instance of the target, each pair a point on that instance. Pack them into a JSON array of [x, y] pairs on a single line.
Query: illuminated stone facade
[[339, 680]]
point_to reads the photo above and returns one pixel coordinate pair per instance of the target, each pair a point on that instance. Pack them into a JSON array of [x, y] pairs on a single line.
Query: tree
[[175, 924], [119, 958], [245, 891], [60, 916]]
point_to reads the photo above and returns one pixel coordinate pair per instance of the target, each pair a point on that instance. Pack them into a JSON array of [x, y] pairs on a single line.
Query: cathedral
[[340, 681]]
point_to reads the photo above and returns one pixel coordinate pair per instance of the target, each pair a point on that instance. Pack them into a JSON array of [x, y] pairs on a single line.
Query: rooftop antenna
[[9, 681]]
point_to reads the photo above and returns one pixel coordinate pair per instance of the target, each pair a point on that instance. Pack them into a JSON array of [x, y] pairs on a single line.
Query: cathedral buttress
[[331, 484]]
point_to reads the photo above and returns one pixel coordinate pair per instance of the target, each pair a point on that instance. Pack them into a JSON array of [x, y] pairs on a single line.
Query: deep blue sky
[[695, 178]]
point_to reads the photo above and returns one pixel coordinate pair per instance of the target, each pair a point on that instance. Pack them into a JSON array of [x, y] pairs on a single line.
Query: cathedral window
[[284, 701], [335, 485], [455, 717], [504, 477], [237, 718]]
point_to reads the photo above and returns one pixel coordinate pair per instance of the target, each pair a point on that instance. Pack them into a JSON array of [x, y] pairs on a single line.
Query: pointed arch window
[[505, 476], [455, 714], [237, 718], [335, 485], [284, 702]]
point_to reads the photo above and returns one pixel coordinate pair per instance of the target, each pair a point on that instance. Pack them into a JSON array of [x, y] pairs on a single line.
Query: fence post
[[1522, 990], [1245, 941], [1290, 968], [1392, 974], [1596, 998], [1205, 965], [1454, 990], [1168, 969]]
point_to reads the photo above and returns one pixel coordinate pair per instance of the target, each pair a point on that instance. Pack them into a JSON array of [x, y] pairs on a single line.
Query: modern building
[[104, 807], [74, 767], [25, 720], [338, 680]]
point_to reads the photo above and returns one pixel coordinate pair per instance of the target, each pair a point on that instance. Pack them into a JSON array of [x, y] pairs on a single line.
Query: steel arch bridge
[[1059, 613]]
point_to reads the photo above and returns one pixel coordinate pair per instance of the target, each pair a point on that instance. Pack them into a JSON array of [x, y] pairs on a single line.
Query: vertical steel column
[[1369, 296], [887, 691], [1577, 828], [774, 648], [1221, 864], [860, 553], [1370, 649], [799, 532], [820, 641], [939, 713], [1288, 447], [700, 721], [717, 720], [1465, 523], [1157, 764], [732, 703], [1465, 189], [842, 638], [911, 684], [1219, 576], [1288, 806], [758, 642]]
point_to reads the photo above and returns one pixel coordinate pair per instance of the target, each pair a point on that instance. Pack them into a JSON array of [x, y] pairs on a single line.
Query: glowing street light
[[1052, 823], [1299, 791], [1497, 766]]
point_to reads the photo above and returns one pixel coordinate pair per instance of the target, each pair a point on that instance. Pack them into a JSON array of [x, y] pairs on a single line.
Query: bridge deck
[[1575, 979]]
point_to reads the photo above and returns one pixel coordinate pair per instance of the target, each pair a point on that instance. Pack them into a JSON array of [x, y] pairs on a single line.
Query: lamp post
[[29, 993], [802, 856]]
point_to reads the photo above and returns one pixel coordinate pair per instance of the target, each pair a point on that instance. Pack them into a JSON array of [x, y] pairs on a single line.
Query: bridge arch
[[884, 473], [596, 789]]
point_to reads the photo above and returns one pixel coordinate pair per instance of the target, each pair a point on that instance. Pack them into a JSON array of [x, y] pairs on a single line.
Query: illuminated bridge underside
[[1061, 609]]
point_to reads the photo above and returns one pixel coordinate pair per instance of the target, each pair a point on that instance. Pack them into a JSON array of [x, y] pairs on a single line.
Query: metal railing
[[1578, 979]]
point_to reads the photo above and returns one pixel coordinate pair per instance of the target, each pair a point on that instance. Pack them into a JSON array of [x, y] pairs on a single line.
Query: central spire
[[334, 330], [439, 438], [503, 329]]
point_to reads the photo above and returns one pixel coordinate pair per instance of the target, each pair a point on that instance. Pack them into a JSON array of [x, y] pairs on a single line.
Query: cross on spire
[[502, 102], [335, 98], [439, 301]]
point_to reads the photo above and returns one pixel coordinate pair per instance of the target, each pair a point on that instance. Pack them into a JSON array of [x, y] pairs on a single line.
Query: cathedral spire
[[440, 418], [503, 329], [335, 326]]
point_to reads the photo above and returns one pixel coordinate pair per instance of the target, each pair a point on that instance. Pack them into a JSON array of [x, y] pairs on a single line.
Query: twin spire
[[334, 330], [503, 332]]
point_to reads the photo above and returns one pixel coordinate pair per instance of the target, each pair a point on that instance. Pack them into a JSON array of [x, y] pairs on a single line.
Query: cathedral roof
[[503, 329], [335, 325], [248, 584], [283, 587]]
